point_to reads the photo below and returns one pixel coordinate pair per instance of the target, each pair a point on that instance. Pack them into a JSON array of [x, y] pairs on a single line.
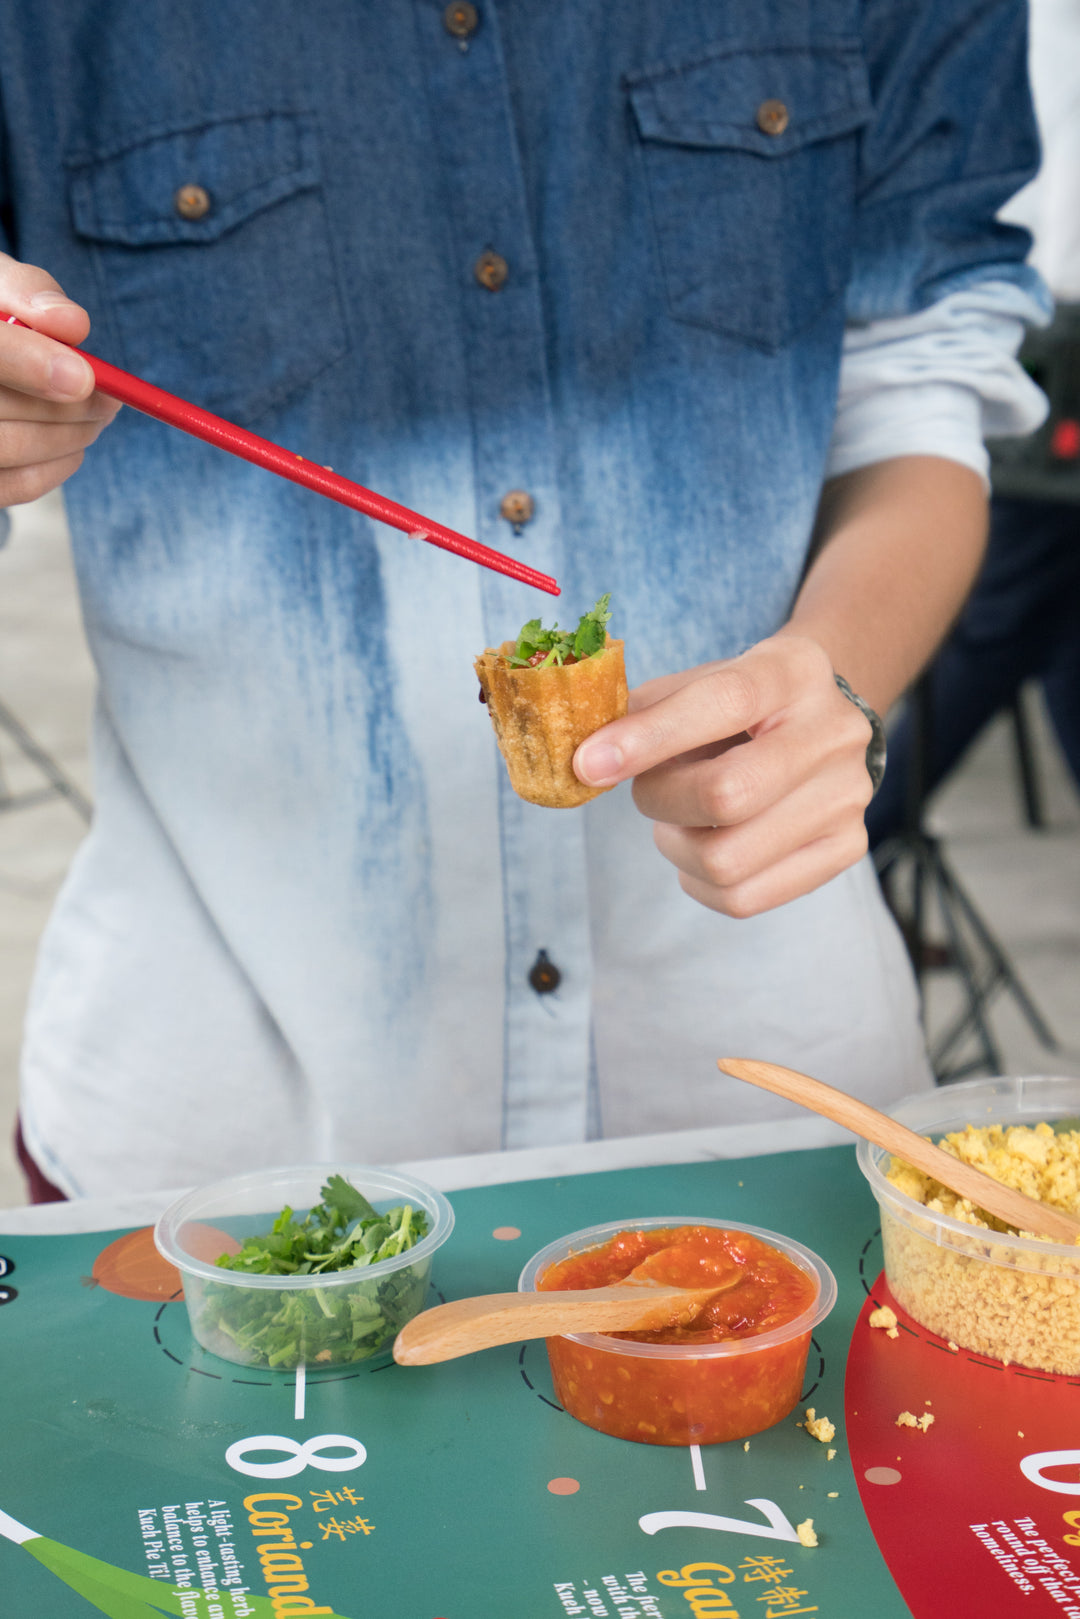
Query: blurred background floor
[[1025, 883], [47, 681]]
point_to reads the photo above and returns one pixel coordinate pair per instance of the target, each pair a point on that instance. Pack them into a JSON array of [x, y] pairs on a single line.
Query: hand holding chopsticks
[[238, 441]]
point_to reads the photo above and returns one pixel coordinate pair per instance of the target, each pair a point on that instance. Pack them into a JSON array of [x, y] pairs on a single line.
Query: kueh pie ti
[[546, 692]]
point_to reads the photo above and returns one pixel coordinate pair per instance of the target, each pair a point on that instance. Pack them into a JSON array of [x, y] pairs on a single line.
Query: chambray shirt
[[304, 921]]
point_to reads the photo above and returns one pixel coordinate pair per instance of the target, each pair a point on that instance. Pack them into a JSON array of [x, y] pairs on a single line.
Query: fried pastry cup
[[540, 716]]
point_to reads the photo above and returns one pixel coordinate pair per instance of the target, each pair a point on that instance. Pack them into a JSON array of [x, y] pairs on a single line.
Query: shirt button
[[192, 202], [491, 270], [461, 19], [544, 976], [773, 117], [517, 507]]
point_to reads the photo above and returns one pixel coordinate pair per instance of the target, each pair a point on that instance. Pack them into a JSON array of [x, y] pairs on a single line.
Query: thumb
[[32, 295]]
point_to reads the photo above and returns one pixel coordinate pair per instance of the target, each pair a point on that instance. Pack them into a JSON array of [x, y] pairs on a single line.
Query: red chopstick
[[166, 407]]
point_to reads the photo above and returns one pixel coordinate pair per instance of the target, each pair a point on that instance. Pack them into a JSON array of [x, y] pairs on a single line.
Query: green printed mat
[[140, 1476]]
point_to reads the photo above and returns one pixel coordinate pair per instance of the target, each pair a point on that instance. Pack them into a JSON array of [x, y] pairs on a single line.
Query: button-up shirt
[[601, 252]]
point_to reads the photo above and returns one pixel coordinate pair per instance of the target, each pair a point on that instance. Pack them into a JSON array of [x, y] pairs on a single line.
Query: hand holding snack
[[753, 769], [545, 693]]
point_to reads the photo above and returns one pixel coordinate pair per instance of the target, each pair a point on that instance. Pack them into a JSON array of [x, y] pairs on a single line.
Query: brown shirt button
[[491, 270], [192, 202], [517, 507], [461, 19], [544, 976], [773, 117]]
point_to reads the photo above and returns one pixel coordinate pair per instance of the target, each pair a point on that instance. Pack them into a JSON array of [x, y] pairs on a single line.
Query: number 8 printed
[[309, 1454]]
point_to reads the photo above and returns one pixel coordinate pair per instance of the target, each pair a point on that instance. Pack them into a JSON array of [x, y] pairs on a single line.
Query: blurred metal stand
[[57, 783], [971, 951], [1030, 790]]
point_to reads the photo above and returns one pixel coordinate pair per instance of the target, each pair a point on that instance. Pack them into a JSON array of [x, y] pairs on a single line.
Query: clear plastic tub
[[1016, 1299], [335, 1319], [682, 1394]]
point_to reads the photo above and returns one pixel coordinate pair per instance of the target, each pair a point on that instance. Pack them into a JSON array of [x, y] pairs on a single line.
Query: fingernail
[[598, 762], [49, 298], [68, 375]]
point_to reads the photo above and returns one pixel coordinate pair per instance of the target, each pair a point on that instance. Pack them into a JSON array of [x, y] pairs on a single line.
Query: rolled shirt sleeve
[[940, 380]]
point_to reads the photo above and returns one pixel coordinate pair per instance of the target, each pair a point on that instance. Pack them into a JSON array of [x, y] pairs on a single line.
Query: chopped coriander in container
[[320, 1265]]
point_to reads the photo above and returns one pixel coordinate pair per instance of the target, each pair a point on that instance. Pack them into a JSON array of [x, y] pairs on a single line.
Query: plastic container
[[682, 1394], [1016, 1299], [331, 1320]]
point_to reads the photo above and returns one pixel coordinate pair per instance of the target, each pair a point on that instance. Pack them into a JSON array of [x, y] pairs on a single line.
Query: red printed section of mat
[[980, 1511]]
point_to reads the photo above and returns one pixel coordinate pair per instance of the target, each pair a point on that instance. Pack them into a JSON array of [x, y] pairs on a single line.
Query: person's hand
[[753, 770], [49, 411]]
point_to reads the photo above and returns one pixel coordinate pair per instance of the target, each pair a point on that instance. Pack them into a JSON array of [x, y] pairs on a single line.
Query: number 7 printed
[[779, 1526]]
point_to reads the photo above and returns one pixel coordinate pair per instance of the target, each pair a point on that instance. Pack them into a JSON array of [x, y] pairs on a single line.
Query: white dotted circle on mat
[[506, 1233], [882, 1475]]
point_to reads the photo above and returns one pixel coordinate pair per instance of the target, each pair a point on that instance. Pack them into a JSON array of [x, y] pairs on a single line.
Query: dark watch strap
[[875, 751]]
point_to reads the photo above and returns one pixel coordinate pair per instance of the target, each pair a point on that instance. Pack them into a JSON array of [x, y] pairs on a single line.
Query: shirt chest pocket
[[212, 252], [750, 160]]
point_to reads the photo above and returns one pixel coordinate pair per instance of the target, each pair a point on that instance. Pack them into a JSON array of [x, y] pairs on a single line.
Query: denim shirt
[[309, 905]]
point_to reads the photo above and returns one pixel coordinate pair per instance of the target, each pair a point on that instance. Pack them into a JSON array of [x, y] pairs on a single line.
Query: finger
[[15, 406], [25, 444], [799, 873], [723, 701], [743, 779], [651, 691], [33, 364], [38, 361], [728, 857], [23, 484], [32, 295], [720, 704]]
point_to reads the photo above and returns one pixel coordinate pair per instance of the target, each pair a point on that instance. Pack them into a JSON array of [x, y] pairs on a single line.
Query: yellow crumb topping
[[1033, 1159], [818, 1427], [886, 1319], [805, 1532], [908, 1419]]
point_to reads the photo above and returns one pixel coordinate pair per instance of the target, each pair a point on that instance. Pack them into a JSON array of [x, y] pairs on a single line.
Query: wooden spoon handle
[[1025, 1213], [465, 1325]]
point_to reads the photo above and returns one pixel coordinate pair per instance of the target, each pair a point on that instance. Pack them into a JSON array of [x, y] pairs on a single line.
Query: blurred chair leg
[[1030, 786], [59, 784]]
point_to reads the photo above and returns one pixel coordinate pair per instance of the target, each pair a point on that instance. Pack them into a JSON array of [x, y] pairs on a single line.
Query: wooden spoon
[[465, 1325], [1025, 1213]]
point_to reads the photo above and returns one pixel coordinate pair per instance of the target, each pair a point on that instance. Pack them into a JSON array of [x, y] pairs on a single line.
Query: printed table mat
[[140, 1476]]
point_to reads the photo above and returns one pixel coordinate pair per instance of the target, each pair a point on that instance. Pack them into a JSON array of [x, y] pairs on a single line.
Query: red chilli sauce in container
[[733, 1370]]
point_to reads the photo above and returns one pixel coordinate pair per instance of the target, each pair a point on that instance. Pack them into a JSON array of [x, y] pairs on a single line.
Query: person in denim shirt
[[663, 270]]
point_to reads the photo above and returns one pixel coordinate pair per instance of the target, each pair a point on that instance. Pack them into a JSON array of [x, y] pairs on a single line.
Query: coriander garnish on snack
[[316, 1325], [546, 692], [538, 648]]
